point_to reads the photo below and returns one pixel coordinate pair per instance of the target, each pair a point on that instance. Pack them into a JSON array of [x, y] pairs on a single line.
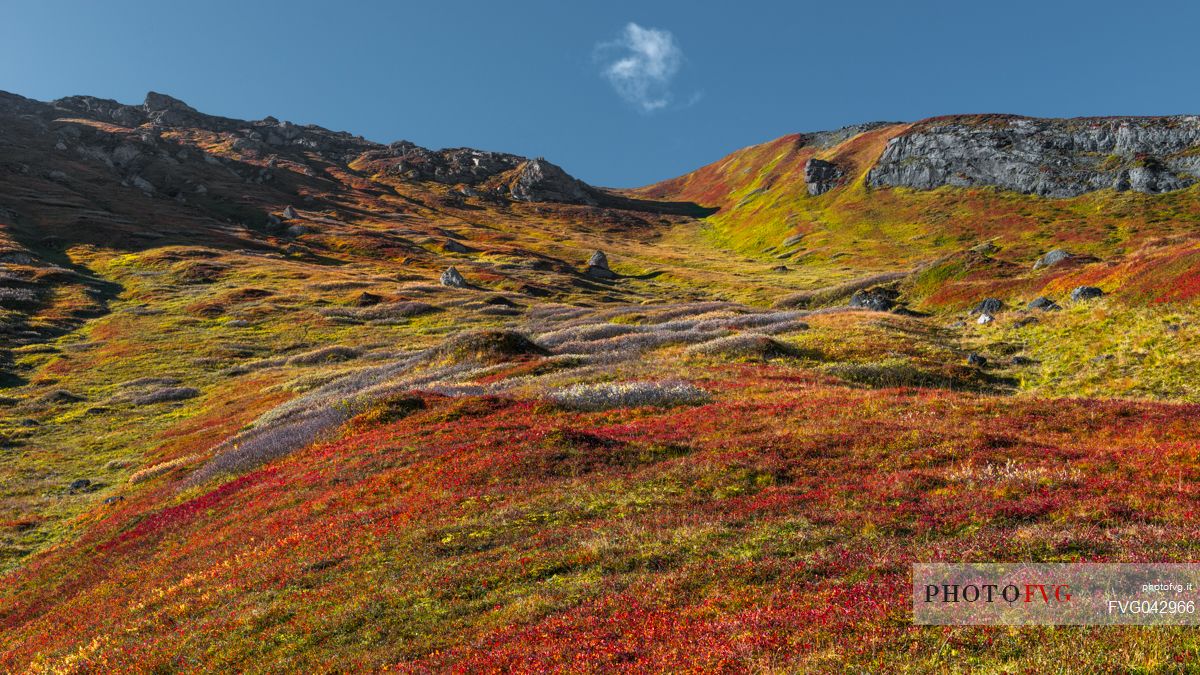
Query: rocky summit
[[277, 398]]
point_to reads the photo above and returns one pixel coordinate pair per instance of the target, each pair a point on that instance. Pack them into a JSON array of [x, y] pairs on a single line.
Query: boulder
[[597, 267], [988, 306], [1043, 303], [452, 278], [977, 360], [290, 213], [1083, 293], [454, 247], [985, 319], [875, 299], [1052, 258]]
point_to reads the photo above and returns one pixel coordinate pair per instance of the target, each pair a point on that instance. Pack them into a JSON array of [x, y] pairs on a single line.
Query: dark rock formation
[[988, 306], [876, 299], [1043, 303], [1049, 157], [1085, 293], [821, 176]]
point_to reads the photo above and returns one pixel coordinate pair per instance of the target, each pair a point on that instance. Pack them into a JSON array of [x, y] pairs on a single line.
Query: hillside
[[281, 398]]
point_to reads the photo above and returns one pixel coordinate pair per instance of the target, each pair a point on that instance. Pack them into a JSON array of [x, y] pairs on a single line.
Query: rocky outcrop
[[479, 173], [821, 176], [1048, 157], [541, 181]]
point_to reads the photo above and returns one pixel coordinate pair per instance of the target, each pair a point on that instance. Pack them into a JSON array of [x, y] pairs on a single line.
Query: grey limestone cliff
[[1049, 157]]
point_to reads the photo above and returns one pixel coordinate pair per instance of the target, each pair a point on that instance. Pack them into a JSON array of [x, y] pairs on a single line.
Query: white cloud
[[640, 65]]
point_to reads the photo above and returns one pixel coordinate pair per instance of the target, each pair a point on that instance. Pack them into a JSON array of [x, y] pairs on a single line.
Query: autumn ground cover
[[753, 532], [299, 452]]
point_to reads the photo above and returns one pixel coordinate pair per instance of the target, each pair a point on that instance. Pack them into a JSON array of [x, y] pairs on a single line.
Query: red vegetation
[[485, 535]]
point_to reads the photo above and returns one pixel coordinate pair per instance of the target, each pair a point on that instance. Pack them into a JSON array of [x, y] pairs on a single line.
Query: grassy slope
[[768, 529]]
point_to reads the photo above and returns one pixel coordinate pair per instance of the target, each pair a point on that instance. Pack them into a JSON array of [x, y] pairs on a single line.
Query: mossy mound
[[487, 346], [745, 347]]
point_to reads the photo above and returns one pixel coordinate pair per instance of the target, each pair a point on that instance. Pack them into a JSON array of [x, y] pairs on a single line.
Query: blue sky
[[618, 93]]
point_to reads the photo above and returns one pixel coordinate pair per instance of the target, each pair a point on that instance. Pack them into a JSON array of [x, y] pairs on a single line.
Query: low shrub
[[833, 294], [745, 346], [486, 346], [165, 394], [150, 382], [260, 445], [325, 355], [382, 312], [897, 373], [161, 468], [609, 395]]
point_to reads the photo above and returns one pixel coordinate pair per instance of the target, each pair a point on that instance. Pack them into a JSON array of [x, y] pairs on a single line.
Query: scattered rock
[[142, 184], [1052, 258], [114, 499], [1026, 321], [597, 267], [779, 268], [986, 248], [454, 247], [290, 213], [1043, 303], [985, 319], [977, 360], [453, 279], [79, 485], [1085, 293], [1022, 361], [988, 306], [875, 299]]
